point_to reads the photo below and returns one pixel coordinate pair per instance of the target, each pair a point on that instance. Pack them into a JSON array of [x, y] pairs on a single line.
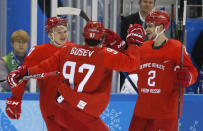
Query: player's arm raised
[[113, 40], [122, 62], [130, 61]]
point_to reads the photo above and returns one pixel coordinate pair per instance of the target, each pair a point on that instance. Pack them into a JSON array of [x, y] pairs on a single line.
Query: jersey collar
[[158, 47]]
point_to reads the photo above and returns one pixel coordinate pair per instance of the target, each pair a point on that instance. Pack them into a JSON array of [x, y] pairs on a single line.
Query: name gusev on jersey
[[86, 73]]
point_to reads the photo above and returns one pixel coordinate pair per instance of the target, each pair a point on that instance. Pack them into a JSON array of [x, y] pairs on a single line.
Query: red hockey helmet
[[54, 21], [159, 17], [94, 30]]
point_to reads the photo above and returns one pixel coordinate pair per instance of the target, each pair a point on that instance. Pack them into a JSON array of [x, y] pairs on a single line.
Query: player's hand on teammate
[[112, 40], [136, 34], [13, 78], [13, 108], [183, 76]]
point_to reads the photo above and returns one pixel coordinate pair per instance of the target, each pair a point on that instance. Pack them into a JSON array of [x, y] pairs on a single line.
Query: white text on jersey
[[154, 91], [153, 65], [81, 52]]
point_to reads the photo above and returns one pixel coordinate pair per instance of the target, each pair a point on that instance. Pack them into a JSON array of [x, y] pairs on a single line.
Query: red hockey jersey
[[86, 74], [47, 87], [158, 89]]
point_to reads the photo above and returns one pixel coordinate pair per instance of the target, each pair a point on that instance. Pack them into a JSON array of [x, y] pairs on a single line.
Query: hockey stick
[[72, 11], [172, 20], [176, 21], [37, 76], [183, 5], [79, 12]]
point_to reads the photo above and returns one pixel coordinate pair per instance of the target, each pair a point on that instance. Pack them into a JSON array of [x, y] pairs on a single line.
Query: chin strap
[[53, 41], [158, 34]]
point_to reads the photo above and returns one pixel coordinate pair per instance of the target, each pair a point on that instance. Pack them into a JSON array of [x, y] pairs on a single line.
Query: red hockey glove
[[112, 40], [136, 34], [183, 76], [13, 78], [13, 108]]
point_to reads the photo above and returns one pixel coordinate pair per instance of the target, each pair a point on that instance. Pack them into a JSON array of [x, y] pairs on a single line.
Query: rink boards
[[117, 115]]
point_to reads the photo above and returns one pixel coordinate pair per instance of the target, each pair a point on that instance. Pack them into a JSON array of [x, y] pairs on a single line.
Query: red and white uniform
[[87, 73], [158, 89], [47, 87]]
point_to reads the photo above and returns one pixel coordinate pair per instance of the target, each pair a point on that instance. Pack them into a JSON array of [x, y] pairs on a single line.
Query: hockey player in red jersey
[[159, 76], [57, 31], [85, 77]]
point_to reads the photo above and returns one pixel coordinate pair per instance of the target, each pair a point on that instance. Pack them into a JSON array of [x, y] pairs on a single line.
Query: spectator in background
[[197, 55], [19, 42], [146, 6]]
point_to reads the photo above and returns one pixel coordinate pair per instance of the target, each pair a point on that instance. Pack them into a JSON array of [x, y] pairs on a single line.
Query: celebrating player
[[159, 77], [57, 31], [85, 78]]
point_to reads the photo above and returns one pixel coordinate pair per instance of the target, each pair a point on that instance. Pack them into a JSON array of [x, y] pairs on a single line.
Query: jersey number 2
[[71, 75], [152, 75]]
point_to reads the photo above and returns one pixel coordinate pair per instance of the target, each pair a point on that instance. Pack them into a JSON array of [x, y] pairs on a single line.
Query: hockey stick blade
[[71, 11], [68, 11]]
